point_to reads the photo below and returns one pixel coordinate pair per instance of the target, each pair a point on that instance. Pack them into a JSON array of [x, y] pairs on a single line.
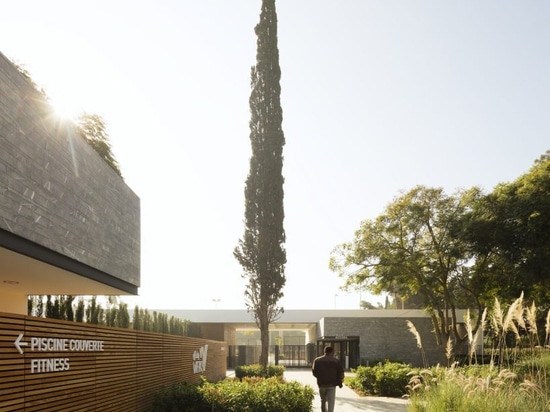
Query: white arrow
[[18, 343]]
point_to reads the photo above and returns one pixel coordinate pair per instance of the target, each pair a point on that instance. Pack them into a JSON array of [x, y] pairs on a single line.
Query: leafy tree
[[142, 320], [411, 302], [112, 311], [94, 312], [136, 322], [415, 248], [67, 307], [261, 251], [80, 310], [30, 304], [93, 129], [122, 316], [40, 307], [115, 314], [367, 305], [513, 224], [192, 329], [50, 310]]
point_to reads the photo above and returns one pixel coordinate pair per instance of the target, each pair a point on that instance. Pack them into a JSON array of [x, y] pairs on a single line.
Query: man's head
[[328, 350]]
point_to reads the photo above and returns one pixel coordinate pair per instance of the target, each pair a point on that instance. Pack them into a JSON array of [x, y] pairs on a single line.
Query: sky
[[378, 96]]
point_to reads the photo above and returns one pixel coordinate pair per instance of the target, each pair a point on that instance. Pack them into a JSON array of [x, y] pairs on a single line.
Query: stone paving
[[346, 399]]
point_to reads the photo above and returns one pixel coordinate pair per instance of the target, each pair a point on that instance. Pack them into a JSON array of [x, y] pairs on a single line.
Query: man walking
[[329, 373]]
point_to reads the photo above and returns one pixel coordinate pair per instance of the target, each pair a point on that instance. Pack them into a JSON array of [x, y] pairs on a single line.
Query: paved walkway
[[346, 399]]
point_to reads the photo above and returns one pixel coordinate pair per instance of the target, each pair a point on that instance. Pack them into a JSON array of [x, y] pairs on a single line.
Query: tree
[[260, 251], [415, 248], [367, 305], [513, 223], [67, 307], [94, 312], [50, 309], [93, 129], [80, 310], [123, 317]]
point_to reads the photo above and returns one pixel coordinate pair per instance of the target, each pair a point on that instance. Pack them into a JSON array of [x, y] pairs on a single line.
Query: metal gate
[[289, 356], [293, 356]]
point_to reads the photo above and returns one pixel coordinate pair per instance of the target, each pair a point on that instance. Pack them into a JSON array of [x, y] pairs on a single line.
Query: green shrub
[[258, 370], [535, 368], [364, 380], [251, 394], [228, 395], [181, 397], [392, 379], [258, 395], [388, 379]]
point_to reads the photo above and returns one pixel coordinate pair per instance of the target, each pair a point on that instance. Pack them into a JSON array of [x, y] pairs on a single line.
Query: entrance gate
[[293, 356], [289, 356], [346, 348]]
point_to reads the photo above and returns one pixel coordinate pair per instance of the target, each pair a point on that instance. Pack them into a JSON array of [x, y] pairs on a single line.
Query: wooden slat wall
[[123, 377]]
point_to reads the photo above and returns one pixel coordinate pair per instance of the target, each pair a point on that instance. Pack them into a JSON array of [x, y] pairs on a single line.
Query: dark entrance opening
[[346, 348], [290, 356]]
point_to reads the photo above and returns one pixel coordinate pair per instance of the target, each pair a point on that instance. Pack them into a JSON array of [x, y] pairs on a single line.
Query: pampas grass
[[413, 330], [449, 350], [522, 385], [512, 322], [531, 317], [472, 340]]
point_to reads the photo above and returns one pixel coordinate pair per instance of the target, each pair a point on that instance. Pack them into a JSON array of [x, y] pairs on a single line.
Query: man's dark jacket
[[328, 371]]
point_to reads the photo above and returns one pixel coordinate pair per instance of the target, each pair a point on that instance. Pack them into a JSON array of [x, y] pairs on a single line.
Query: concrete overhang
[[30, 269]]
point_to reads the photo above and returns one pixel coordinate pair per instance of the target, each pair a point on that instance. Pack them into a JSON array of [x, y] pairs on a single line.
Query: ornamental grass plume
[[413, 330], [475, 338], [514, 314], [531, 317], [547, 328], [468, 324], [449, 350], [497, 317], [471, 346], [503, 324]]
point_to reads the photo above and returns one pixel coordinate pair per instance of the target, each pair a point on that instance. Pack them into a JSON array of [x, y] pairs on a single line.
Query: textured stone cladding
[[389, 338], [56, 191]]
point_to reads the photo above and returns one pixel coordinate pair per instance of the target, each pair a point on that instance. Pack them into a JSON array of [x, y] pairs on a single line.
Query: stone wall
[[383, 338], [56, 191]]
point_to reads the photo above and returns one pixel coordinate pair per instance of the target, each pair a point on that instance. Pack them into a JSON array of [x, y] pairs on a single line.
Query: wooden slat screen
[[122, 377]]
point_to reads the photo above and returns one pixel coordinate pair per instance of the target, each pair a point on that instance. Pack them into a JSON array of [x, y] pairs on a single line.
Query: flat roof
[[294, 316]]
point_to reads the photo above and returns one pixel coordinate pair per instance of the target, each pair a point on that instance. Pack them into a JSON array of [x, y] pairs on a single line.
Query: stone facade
[[381, 334], [389, 338], [56, 191]]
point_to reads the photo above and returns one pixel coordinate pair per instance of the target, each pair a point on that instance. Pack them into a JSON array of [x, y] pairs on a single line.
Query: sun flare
[[66, 108]]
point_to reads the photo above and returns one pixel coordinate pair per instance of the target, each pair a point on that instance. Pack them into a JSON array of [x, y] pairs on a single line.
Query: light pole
[[216, 301], [335, 296]]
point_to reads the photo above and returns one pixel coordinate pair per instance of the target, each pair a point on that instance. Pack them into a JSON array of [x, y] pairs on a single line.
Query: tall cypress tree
[[261, 251]]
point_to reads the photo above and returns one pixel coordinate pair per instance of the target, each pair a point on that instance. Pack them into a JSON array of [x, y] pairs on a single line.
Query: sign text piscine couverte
[[44, 345], [38, 344]]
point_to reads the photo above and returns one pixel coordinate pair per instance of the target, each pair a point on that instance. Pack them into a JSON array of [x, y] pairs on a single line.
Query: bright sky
[[378, 96]]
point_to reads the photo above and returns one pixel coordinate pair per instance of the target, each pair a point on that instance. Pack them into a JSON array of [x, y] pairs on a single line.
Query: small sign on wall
[[199, 359]]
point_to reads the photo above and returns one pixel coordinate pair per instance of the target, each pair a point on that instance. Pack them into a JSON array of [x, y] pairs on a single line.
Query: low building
[[359, 337]]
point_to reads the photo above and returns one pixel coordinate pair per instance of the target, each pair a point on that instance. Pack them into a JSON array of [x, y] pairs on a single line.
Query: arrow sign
[[18, 343]]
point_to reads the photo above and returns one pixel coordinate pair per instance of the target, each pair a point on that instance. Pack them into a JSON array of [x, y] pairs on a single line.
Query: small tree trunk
[[264, 337]]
